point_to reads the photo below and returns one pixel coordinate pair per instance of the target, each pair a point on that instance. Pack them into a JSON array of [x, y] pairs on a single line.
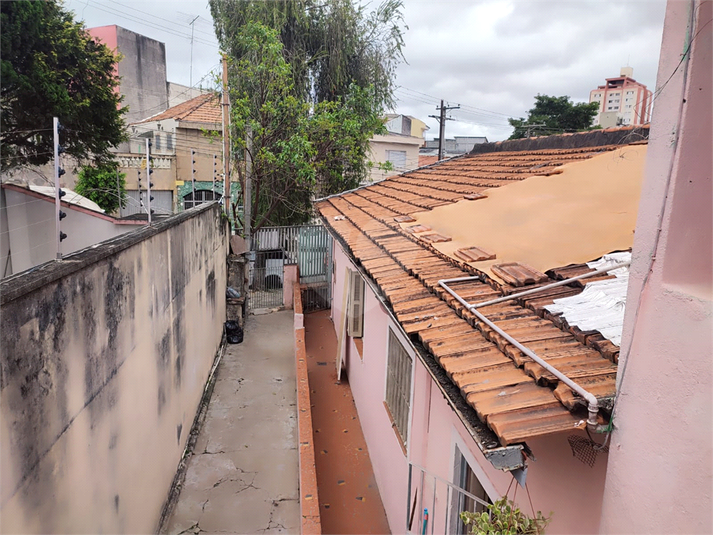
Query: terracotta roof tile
[[516, 397], [201, 109]]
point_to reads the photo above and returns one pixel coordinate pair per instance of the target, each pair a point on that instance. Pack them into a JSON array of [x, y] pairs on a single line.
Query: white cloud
[[490, 55]]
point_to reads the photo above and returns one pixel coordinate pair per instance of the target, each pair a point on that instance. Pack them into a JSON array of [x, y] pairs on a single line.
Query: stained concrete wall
[[104, 360], [558, 482], [31, 231], [661, 462], [142, 70]]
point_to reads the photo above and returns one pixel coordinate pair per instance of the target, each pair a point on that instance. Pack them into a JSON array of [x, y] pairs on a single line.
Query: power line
[[127, 16]]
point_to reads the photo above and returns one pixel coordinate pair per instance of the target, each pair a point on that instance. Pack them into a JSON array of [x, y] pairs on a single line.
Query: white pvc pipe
[[553, 285], [593, 403], [538, 289]]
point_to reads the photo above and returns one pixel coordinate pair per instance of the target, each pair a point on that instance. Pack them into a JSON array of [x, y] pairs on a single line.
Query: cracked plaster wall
[[101, 374]]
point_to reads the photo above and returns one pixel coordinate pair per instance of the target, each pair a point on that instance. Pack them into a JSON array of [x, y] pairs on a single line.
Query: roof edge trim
[[591, 138]]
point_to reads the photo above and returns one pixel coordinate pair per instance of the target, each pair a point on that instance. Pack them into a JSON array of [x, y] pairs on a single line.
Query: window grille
[[157, 141], [169, 141], [201, 197], [398, 385]]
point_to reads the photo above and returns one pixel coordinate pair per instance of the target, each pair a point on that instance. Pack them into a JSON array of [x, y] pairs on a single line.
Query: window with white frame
[[355, 308], [398, 385], [157, 141]]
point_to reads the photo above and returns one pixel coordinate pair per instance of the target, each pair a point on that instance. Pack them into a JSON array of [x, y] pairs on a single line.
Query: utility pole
[[215, 171], [118, 189], [193, 176], [442, 126], [247, 197], [226, 139], [529, 127], [148, 177], [192, 29], [58, 193]]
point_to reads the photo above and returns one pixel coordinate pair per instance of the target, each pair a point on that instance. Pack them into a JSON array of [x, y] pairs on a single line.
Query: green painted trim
[[187, 187]]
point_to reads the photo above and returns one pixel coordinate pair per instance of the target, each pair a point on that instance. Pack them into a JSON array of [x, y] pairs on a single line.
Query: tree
[[104, 185], [296, 149], [51, 67], [554, 115], [328, 45], [310, 81]]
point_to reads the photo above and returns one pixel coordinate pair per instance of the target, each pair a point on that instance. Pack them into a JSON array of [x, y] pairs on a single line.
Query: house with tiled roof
[[463, 294], [186, 146]]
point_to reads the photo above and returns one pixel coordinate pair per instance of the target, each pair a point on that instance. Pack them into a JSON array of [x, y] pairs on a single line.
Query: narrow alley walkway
[[243, 475], [348, 495]]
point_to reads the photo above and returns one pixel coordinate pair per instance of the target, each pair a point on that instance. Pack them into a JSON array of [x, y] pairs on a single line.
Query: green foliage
[[309, 80], [51, 67], [297, 149], [504, 518], [328, 45], [99, 184], [556, 115]]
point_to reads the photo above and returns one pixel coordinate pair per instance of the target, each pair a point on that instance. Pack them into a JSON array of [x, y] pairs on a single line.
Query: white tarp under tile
[[600, 307]]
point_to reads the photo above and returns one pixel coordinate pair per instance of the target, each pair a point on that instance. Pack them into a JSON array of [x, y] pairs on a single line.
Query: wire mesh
[[585, 449]]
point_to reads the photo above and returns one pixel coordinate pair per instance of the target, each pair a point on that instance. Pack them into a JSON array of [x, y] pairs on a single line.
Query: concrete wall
[[660, 472], [205, 147], [380, 144], [104, 362], [143, 74], [31, 229], [557, 481], [178, 93]]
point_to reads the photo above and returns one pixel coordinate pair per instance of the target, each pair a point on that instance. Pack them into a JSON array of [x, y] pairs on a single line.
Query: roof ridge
[[590, 138]]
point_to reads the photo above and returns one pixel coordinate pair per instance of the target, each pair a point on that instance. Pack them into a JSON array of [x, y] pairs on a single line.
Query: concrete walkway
[[243, 476]]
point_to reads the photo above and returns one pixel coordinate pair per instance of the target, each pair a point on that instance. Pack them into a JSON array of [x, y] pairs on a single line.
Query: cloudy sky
[[489, 57]]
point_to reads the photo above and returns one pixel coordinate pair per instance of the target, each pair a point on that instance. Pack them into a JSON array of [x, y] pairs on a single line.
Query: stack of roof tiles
[[514, 396]]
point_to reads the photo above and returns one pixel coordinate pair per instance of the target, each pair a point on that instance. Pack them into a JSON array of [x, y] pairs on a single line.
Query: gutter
[[592, 401]]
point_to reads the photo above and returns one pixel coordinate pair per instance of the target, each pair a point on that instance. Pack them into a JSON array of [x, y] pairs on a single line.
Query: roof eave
[[505, 458]]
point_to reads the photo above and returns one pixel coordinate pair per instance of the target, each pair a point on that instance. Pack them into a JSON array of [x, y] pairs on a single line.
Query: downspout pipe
[[592, 402]]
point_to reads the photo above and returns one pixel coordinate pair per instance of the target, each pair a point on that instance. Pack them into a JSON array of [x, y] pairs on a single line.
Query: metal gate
[[308, 246], [315, 261], [266, 277]]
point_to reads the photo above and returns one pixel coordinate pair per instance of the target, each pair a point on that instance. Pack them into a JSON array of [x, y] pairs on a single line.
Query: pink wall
[[557, 481], [107, 35], [367, 379], [660, 474], [290, 276]]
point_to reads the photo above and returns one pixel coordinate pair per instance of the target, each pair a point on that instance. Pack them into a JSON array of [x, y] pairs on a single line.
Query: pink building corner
[[660, 463]]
